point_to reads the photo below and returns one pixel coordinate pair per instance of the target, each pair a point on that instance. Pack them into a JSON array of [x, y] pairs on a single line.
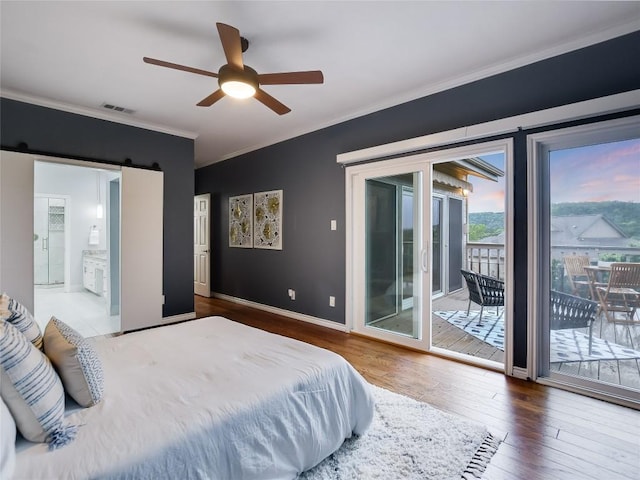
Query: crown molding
[[404, 97], [94, 113], [619, 102]]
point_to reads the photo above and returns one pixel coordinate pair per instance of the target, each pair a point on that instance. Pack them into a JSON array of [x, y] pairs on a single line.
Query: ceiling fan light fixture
[[238, 89], [236, 83]]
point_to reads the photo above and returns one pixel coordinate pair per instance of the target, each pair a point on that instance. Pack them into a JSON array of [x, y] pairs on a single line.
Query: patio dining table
[[598, 277]]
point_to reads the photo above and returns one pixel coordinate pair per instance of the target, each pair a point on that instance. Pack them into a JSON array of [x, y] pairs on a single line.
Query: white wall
[[81, 185]]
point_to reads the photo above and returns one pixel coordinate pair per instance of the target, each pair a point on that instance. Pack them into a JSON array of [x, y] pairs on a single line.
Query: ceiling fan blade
[[290, 78], [162, 63], [271, 102], [231, 44], [211, 99]]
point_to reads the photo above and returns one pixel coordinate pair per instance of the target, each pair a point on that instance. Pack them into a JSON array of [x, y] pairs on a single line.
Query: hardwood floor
[[547, 433]]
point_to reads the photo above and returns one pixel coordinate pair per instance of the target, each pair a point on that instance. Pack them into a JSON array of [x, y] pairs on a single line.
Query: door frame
[[442, 252], [16, 236]]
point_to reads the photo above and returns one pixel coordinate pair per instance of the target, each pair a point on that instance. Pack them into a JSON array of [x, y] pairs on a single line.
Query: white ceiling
[[79, 55]]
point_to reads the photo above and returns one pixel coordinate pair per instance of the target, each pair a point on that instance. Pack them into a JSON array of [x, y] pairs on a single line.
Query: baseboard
[[179, 318], [519, 372], [280, 311]]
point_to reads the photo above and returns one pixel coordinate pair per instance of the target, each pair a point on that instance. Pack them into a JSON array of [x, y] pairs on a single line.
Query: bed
[[209, 398]]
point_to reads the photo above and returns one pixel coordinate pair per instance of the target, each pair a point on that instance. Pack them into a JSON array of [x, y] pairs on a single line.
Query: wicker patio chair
[[483, 290], [569, 311], [576, 274], [622, 292]]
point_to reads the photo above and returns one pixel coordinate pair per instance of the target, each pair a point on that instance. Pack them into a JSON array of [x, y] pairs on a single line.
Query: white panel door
[[142, 241], [201, 245], [16, 226]]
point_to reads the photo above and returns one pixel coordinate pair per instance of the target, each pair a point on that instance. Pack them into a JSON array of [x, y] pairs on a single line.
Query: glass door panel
[[49, 240], [391, 273], [593, 212], [382, 264]]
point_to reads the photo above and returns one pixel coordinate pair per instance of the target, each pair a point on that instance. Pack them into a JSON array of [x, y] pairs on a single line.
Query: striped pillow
[[76, 361], [32, 390], [15, 313]]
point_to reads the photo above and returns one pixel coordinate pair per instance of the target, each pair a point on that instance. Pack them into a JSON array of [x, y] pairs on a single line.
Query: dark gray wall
[[313, 259], [70, 135]]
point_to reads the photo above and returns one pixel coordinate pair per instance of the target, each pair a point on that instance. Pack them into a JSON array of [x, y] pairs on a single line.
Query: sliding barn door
[[142, 240], [16, 227]]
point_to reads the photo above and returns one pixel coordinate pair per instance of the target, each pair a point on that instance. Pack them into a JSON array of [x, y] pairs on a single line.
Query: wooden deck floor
[[547, 433], [450, 337], [617, 372]]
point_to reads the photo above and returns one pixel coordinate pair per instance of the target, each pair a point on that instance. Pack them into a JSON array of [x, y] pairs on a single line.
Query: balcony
[[488, 258]]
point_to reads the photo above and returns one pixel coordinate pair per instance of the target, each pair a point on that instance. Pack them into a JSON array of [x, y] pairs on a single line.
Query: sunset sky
[[488, 196], [609, 171]]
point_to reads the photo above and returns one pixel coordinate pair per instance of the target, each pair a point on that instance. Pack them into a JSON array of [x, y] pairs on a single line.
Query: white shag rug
[[410, 440]]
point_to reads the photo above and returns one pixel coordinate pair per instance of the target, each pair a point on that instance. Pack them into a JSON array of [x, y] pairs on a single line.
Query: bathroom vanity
[[94, 268]]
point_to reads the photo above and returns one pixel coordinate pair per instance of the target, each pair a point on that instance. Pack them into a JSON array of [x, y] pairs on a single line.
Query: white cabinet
[[94, 275]]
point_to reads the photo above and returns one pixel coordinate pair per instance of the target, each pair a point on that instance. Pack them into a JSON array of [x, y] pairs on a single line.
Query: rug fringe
[[482, 457]]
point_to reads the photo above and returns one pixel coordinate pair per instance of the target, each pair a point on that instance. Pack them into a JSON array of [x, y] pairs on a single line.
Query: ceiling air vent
[[115, 108]]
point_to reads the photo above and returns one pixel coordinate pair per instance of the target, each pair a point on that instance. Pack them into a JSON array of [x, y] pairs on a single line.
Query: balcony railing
[[488, 258]]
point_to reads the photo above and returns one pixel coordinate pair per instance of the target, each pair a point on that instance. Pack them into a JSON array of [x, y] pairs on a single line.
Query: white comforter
[[209, 399]]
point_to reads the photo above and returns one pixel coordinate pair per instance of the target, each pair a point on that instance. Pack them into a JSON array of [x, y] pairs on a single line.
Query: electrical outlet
[[292, 294], [332, 301], [334, 225]]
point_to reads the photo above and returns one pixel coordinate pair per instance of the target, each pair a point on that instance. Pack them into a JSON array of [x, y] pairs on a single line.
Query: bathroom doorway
[[76, 247]]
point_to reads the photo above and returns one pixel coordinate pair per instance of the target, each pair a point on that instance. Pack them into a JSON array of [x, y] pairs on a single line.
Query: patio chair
[[483, 290], [569, 311], [622, 292], [576, 274]]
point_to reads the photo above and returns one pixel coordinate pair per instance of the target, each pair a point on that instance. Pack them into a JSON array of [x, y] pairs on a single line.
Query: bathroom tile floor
[[83, 311]]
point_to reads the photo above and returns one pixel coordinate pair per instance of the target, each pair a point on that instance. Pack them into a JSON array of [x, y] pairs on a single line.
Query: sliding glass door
[[588, 295], [390, 247], [408, 240]]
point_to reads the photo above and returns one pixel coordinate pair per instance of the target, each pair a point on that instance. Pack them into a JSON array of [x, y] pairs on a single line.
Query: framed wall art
[[240, 221], [267, 220]]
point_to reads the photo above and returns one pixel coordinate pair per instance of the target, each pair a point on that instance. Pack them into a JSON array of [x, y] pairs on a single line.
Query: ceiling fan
[[239, 80]]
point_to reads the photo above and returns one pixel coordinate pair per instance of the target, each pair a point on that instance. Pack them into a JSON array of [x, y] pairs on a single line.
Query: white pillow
[[17, 315], [32, 390], [76, 362], [7, 442]]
